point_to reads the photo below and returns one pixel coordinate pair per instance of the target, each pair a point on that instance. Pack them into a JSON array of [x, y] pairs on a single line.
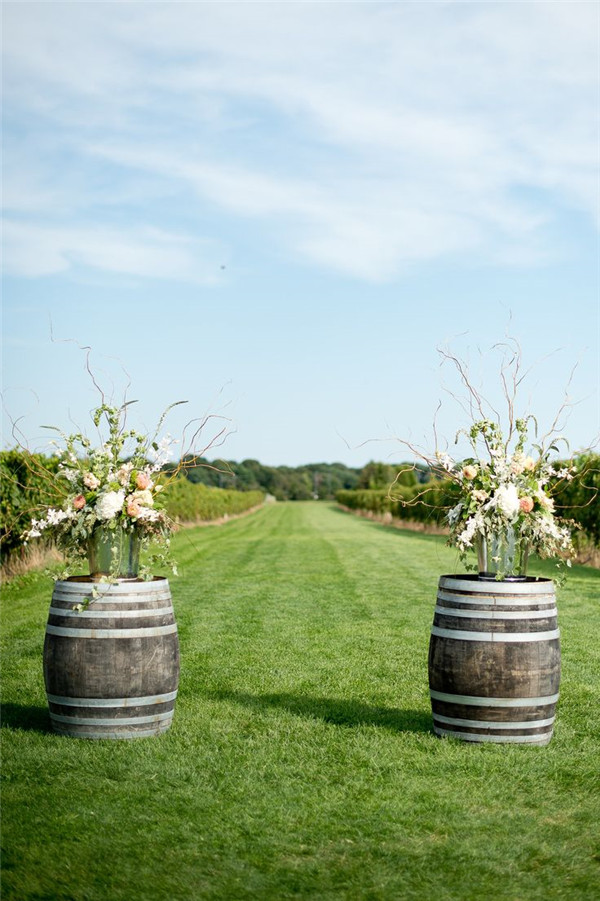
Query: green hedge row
[[27, 483], [418, 503], [578, 499], [188, 502]]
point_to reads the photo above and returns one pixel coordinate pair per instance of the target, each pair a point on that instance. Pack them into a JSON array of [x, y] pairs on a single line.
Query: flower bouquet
[[505, 508], [500, 495], [111, 499]]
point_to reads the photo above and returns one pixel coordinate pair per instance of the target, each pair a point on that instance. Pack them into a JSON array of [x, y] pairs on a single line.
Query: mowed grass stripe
[[301, 762]]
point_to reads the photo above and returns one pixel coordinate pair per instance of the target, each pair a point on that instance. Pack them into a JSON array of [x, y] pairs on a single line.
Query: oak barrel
[[111, 669], [494, 660]]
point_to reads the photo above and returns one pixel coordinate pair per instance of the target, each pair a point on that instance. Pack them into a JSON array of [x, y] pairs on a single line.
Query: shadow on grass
[[26, 716], [334, 710]]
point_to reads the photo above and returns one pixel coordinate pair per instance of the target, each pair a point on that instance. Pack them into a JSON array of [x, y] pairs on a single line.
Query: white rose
[[90, 481], [110, 504], [507, 499], [144, 497]]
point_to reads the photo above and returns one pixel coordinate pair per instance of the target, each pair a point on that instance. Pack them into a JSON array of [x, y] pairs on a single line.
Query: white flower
[[473, 526], [546, 502], [163, 453], [445, 461], [54, 517], [143, 497], [506, 498], [90, 481], [110, 504], [454, 514], [516, 465], [124, 473], [149, 515]]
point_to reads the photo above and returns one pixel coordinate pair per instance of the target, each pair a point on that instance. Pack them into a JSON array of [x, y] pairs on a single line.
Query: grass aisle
[[301, 762]]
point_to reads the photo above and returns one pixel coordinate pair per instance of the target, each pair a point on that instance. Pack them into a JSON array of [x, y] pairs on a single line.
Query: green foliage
[[27, 485], [579, 499], [301, 764], [189, 502], [417, 503]]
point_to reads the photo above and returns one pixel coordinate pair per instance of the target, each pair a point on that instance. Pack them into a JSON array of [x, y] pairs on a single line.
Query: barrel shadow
[[27, 717], [338, 711]]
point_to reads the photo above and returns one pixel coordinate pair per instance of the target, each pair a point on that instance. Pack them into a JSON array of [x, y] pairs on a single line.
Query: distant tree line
[[313, 481]]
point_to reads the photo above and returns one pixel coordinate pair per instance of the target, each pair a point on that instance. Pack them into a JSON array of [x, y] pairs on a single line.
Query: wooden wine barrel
[[112, 669], [494, 660]]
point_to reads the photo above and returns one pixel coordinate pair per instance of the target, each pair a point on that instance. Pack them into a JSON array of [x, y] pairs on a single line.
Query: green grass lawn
[[301, 762]]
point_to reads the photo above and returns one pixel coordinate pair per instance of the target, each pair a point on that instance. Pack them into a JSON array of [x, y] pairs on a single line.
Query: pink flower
[[133, 508], [526, 505], [90, 481], [79, 502], [469, 472], [142, 481]]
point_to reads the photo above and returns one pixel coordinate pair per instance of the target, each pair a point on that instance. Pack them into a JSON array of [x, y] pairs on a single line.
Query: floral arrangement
[[502, 490], [109, 490], [501, 503]]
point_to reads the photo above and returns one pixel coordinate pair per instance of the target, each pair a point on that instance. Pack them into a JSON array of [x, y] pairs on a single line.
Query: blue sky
[[279, 211]]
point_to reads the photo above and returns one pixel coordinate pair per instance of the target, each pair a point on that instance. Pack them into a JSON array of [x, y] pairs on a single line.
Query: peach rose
[[133, 508], [526, 505], [469, 472], [142, 481], [79, 502], [528, 464]]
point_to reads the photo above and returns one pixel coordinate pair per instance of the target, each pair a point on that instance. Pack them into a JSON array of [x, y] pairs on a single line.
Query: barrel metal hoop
[[539, 738], [113, 702], [496, 600], [535, 588], [488, 724], [151, 632], [498, 614], [140, 612], [110, 721], [478, 701], [502, 637]]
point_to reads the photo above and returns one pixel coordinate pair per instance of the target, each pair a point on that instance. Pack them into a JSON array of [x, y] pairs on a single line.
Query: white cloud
[[364, 136], [35, 250]]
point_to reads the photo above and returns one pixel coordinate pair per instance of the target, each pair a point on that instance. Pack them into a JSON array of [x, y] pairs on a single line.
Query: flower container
[[494, 660], [502, 556], [114, 552], [111, 667]]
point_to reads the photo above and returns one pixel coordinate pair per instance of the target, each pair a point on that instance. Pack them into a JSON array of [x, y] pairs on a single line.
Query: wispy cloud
[[363, 137], [35, 250]]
